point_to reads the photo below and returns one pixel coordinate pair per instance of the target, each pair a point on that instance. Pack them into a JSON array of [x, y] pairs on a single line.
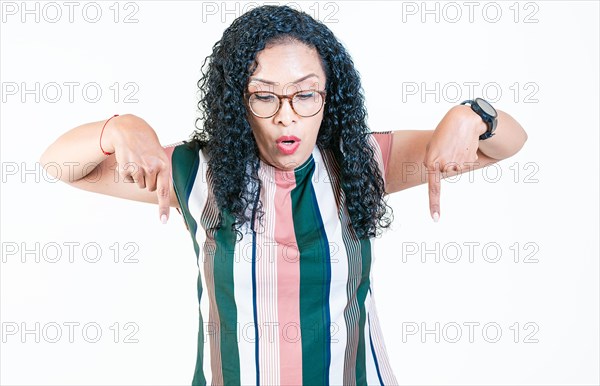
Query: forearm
[[77, 152]]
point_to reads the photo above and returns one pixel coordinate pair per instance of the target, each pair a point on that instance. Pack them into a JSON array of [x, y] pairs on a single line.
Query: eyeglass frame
[[248, 95]]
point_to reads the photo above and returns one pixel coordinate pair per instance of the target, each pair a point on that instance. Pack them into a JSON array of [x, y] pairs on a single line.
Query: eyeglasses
[[265, 104]]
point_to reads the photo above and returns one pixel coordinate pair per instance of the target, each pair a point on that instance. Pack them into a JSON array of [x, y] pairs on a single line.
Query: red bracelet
[[102, 132]]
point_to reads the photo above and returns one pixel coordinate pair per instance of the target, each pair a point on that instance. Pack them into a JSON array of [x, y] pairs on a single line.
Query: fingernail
[[163, 218], [436, 216]]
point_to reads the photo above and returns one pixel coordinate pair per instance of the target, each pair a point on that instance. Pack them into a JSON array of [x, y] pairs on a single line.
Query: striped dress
[[291, 302]]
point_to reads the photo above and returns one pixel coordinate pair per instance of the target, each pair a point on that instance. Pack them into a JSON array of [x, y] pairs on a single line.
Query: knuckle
[[162, 192], [429, 164], [154, 164], [451, 166], [434, 189], [126, 176], [131, 165]]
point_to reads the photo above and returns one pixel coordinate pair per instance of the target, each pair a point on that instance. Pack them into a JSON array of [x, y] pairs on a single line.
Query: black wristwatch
[[487, 113]]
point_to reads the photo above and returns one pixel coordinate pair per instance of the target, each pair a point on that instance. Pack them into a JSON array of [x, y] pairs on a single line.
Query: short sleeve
[[382, 146]]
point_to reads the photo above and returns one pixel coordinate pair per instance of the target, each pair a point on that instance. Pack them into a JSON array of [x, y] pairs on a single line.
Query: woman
[[289, 185]]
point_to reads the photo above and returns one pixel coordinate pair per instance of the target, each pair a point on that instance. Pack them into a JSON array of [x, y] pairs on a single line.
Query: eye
[[264, 97], [305, 95]]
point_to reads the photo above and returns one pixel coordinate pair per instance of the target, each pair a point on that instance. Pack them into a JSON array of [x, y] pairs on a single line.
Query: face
[[286, 139]]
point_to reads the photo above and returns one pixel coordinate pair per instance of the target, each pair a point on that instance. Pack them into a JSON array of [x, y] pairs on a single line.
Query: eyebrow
[[276, 83]]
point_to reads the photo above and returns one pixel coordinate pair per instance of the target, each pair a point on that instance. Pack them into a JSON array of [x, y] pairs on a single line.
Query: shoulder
[[187, 151], [381, 142], [188, 147]]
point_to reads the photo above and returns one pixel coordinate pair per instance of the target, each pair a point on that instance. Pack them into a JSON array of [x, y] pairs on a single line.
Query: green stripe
[[225, 240], [361, 294], [199, 378], [314, 279], [184, 164]]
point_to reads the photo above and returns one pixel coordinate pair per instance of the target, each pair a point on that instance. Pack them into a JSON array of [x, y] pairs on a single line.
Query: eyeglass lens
[[304, 103]]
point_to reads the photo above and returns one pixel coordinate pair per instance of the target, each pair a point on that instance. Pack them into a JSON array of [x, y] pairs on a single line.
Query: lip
[[285, 147]]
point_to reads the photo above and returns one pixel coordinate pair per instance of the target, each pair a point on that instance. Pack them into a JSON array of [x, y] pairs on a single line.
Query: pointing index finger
[[163, 191], [433, 180]]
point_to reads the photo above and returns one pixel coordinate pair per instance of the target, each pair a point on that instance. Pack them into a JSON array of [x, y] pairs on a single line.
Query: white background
[[546, 195]]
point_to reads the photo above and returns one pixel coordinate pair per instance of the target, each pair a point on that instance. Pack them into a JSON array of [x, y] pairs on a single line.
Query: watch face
[[486, 107]]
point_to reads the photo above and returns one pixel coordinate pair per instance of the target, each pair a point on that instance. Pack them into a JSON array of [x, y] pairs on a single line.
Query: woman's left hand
[[451, 150]]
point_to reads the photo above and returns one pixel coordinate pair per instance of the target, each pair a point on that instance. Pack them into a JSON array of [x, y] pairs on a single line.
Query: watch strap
[[488, 120]]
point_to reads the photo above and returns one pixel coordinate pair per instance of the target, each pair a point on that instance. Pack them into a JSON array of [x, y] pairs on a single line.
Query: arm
[[83, 165], [419, 155]]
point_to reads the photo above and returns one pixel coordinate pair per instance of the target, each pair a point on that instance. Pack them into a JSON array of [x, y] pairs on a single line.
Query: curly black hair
[[231, 148]]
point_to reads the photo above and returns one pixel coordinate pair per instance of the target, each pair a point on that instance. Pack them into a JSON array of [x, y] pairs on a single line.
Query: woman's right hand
[[138, 158]]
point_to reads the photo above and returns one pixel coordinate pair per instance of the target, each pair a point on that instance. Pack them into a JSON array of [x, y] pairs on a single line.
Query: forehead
[[287, 63]]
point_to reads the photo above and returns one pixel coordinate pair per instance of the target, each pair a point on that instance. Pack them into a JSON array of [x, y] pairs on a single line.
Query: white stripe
[[242, 278], [266, 283], [339, 268]]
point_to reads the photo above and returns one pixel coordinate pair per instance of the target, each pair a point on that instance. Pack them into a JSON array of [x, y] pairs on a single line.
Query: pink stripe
[[288, 282]]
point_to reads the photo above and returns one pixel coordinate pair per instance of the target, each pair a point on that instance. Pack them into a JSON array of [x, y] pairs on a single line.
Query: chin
[[288, 162]]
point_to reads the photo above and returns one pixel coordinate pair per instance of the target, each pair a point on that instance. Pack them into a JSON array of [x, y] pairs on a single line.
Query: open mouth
[[288, 144]]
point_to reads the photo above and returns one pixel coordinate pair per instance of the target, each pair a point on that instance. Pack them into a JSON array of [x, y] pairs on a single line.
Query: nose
[[285, 115]]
